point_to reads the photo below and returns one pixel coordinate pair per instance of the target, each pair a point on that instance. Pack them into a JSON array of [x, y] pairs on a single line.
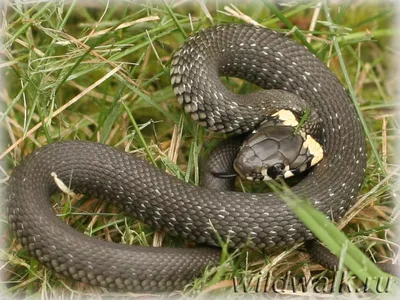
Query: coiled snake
[[261, 56]]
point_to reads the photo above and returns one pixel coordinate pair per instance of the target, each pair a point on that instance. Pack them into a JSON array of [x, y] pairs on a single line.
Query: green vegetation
[[101, 72]]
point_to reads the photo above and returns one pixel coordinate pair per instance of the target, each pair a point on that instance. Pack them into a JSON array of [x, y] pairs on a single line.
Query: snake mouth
[[229, 175], [251, 174], [250, 177]]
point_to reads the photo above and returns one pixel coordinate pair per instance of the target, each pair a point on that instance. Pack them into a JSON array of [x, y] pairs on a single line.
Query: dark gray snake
[[261, 56]]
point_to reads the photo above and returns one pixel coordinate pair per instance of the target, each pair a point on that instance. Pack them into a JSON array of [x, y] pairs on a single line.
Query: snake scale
[[268, 59]]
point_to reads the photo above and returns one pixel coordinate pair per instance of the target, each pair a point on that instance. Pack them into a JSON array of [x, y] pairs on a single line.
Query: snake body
[[261, 56]]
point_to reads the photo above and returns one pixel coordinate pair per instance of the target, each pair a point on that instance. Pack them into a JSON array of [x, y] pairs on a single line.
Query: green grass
[[101, 73]]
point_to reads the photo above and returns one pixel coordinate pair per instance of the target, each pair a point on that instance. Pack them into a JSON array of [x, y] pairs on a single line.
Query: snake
[[290, 77]]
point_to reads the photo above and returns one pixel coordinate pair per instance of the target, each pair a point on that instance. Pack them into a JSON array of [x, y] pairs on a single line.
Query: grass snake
[[292, 78]]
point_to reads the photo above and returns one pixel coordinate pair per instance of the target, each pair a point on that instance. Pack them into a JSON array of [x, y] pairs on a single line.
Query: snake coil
[[261, 56]]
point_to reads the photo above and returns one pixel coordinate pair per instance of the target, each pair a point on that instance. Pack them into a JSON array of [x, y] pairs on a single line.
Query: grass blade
[[351, 90], [334, 239]]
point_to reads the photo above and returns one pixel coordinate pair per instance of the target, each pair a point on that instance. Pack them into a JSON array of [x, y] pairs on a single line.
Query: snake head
[[277, 150]]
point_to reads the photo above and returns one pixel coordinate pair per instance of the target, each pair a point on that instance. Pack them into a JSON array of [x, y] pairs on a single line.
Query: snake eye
[[275, 170]]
